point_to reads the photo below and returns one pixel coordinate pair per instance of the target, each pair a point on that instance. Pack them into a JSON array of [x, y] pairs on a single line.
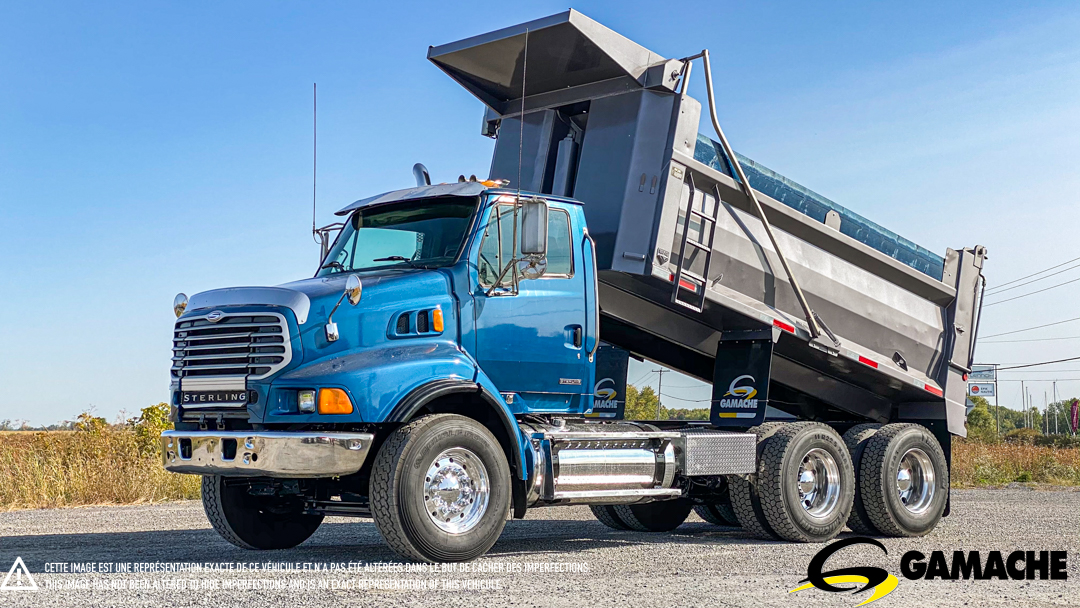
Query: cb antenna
[[314, 150]]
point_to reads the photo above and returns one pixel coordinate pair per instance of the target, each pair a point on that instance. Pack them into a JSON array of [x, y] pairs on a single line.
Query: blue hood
[[385, 294]]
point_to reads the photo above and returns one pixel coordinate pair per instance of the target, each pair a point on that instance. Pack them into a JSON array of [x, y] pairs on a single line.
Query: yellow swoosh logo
[[885, 588]]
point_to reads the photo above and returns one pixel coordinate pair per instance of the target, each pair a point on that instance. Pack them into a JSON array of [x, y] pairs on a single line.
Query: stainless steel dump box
[[689, 276]]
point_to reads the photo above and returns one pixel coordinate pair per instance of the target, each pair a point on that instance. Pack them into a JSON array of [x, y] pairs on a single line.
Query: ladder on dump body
[[685, 280]]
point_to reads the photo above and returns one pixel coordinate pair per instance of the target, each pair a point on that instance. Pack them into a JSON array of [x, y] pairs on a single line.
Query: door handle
[[577, 336]]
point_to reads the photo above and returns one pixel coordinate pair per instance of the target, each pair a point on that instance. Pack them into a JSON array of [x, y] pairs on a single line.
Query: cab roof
[[457, 189]]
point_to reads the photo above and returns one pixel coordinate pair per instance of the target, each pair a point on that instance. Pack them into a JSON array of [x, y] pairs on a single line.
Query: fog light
[[334, 401], [305, 400]]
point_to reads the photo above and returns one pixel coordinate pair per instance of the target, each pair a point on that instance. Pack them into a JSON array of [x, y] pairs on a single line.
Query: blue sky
[[149, 148]]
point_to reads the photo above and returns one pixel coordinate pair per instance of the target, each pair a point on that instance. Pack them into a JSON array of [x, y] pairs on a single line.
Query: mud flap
[[609, 393], [741, 378]]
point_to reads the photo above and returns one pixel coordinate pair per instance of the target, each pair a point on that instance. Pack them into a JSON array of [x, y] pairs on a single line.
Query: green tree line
[[644, 404], [991, 423]]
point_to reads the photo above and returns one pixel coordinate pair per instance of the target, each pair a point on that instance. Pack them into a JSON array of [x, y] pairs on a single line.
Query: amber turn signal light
[[334, 401], [437, 320]]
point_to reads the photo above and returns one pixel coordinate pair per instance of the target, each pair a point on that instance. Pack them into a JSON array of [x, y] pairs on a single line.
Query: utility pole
[[659, 390], [1023, 397], [1057, 406]]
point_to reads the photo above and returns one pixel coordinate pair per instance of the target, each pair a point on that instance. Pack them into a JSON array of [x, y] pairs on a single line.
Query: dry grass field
[[96, 464], [100, 464], [978, 464]]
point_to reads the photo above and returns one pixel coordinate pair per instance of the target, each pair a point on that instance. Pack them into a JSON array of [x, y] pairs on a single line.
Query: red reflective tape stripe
[[936, 391], [687, 285], [784, 326], [869, 362]]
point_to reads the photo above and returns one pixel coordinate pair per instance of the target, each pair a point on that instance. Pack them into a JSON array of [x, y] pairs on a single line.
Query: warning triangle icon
[[18, 578]]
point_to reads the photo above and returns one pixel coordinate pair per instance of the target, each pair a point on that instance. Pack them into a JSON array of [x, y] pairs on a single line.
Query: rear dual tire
[[718, 512], [903, 482], [661, 516], [803, 488]]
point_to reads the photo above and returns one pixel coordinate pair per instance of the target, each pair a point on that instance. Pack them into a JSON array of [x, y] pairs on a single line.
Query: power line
[[1030, 294], [1039, 379], [1000, 369], [1029, 340], [684, 400], [690, 388], [997, 290], [1031, 328], [1034, 274], [1050, 371]]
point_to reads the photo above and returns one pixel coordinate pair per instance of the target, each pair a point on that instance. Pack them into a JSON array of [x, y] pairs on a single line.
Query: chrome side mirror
[[179, 304], [353, 289], [534, 227]]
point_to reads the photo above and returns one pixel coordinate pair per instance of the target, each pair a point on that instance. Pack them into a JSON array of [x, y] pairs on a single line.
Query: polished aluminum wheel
[[915, 481], [456, 490], [819, 483]]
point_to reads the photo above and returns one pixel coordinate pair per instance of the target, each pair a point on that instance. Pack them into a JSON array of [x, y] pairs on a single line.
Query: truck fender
[[424, 394]]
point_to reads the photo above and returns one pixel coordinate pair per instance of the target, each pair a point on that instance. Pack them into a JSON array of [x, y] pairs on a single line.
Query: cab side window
[[497, 246], [560, 257]]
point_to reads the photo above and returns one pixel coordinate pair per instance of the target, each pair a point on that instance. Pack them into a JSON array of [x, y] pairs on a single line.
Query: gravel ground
[[698, 565]]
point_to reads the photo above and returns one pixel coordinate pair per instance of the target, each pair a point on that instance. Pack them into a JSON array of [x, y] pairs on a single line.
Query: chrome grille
[[236, 346]]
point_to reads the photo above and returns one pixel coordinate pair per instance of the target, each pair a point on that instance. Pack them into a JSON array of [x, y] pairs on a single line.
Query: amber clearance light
[[334, 401], [437, 320]]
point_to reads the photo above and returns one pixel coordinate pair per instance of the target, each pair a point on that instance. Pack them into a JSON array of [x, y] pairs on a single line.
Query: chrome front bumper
[[264, 453]]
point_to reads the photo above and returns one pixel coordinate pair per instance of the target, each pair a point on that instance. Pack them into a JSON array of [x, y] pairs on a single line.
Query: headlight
[[305, 400], [179, 304]]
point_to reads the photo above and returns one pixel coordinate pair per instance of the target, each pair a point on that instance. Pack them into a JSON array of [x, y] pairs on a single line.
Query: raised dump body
[[688, 274]]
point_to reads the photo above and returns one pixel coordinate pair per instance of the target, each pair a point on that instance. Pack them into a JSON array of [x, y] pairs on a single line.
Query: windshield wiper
[[335, 264], [397, 258]]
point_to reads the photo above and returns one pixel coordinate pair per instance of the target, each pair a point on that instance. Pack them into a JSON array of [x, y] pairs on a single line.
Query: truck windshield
[[422, 234]]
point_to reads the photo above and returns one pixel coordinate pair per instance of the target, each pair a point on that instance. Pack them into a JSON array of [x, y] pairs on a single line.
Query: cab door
[[531, 340]]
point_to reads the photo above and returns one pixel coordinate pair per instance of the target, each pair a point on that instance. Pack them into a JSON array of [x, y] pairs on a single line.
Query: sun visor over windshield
[[461, 189]]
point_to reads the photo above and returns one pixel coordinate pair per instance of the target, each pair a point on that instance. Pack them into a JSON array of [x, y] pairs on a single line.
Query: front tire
[[904, 480], [255, 522], [440, 489]]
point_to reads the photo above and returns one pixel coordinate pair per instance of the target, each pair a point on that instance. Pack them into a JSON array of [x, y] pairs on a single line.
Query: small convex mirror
[[353, 289], [179, 304], [534, 227]]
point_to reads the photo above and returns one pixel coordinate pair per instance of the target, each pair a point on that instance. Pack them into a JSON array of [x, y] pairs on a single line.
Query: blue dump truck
[[460, 355]]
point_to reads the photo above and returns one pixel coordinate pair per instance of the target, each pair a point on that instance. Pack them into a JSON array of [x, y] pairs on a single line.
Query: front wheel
[[255, 522], [440, 489]]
